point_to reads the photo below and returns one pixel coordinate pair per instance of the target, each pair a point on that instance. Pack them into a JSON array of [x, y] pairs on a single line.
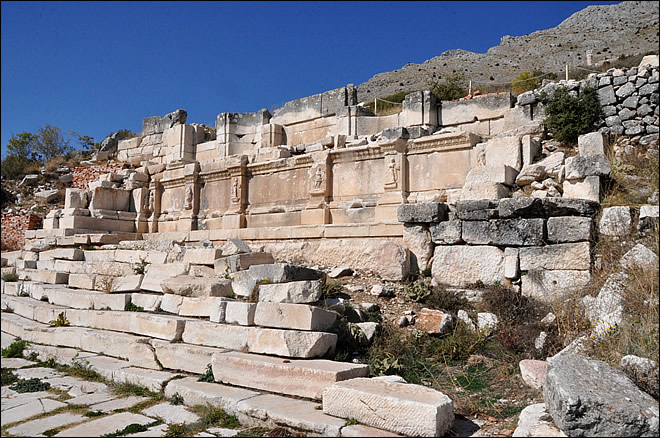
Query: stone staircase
[[141, 312]]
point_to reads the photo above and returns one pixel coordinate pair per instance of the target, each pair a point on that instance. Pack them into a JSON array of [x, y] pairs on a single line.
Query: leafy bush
[[31, 385], [207, 376], [450, 88], [10, 277], [568, 117], [15, 349], [14, 167], [130, 307], [418, 290]]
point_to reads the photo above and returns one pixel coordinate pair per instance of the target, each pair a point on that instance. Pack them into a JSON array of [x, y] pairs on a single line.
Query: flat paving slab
[[119, 403], [34, 407], [152, 431], [37, 427], [38, 373], [15, 362], [106, 425], [171, 414], [89, 399]]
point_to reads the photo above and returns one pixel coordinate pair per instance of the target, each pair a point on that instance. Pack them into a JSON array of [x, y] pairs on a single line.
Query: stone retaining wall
[[83, 175], [541, 246]]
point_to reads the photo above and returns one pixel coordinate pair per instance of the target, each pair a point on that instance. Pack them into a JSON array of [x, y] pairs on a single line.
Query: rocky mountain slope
[[627, 28]]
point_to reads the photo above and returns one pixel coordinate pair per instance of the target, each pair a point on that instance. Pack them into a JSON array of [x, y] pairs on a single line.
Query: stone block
[[128, 283], [33, 406], [563, 256], [291, 343], [171, 303], [104, 198], [235, 246], [149, 302], [616, 409], [217, 335], [477, 210], [412, 410], [469, 265], [202, 256], [511, 263], [648, 217], [579, 167], [489, 190], [189, 286], [238, 312], [183, 357], [418, 239], [530, 173], [447, 233], [548, 285], [589, 188], [569, 207], [565, 229], [593, 143], [640, 257], [492, 174], [106, 425], [531, 147], [533, 372], [37, 427], [615, 221], [200, 306], [282, 272], [75, 198], [153, 380], [434, 321], [504, 151], [535, 420], [241, 262], [303, 378], [244, 288], [201, 393], [156, 273], [45, 196], [422, 212], [299, 292], [293, 316], [504, 232], [135, 349]]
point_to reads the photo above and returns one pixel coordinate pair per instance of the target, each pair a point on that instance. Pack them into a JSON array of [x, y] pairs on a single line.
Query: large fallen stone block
[[615, 221], [293, 316], [418, 239], [304, 378], [553, 257], [492, 174], [589, 398], [282, 273], [412, 410], [548, 285], [534, 420], [291, 343], [240, 262], [202, 256], [462, 265], [298, 292], [189, 286]]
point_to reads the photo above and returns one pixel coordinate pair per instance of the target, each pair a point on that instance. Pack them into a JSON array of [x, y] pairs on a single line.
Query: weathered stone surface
[[520, 207], [422, 212], [641, 257], [238, 312], [68, 254], [240, 262], [511, 263], [148, 302], [153, 380], [200, 393], [171, 303], [189, 286], [282, 273], [418, 239], [648, 217], [606, 310], [235, 246], [184, 357], [119, 403], [217, 335], [469, 264], [579, 167], [45, 196], [120, 345], [486, 190], [642, 371], [570, 207], [304, 378], [553, 164], [547, 285], [34, 407], [400, 407], [492, 174], [581, 404], [486, 321], [479, 210], [504, 232], [504, 151], [566, 229], [37, 427], [446, 233], [293, 316], [156, 273], [615, 221], [299, 414], [530, 173], [535, 421], [106, 425], [560, 256], [340, 271], [593, 143], [360, 430], [244, 288], [587, 188], [171, 414], [434, 321], [533, 372], [299, 292], [202, 256], [291, 343]]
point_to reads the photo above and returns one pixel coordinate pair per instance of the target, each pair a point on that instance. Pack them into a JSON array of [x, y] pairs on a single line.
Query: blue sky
[[97, 67]]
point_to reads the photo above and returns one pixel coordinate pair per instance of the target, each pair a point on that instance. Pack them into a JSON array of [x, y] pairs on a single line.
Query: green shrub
[[15, 349], [418, 290], [568, 117], [10, 276], [450, 88], [31, 385], [177, 399], [130, 307], [61, 321], [207, 376]]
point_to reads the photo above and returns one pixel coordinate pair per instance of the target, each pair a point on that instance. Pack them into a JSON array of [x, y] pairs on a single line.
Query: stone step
[[184, 357], [42, 276], [136, 350], [152, 325], [286, 343], [201, 393], [304, 378]]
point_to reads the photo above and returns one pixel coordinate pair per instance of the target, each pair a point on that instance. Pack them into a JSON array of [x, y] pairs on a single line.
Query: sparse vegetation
[[30, 385], [10, 277], [527, 81], [176, 399], [61, 321], [388, 105], [15, 349], [130, 307], [140, 267], [451, 88], [207, 376]]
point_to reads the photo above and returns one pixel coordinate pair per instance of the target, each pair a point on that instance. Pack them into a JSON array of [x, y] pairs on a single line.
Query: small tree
[[20, 153], [451, 88], [50, 143], [568, 117], [86, 142]]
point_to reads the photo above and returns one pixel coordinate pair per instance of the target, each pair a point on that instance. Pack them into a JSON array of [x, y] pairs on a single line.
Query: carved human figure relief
[[151, 202], [392, 173], [235, 190], [318, 179], [481, 155], [188, 198]]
